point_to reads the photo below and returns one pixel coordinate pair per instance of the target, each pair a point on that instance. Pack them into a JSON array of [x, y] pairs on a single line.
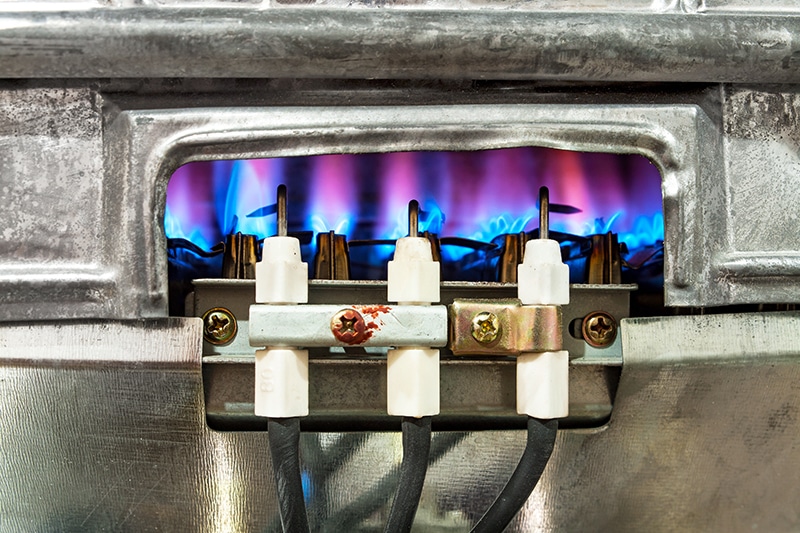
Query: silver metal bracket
[[315, 326]]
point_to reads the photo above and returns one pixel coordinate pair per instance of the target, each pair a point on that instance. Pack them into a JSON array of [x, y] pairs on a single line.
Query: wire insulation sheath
[[284, 445], [416, 453], [541, 440]]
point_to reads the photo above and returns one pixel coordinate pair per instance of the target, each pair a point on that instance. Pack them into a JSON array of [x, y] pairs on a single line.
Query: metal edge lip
[[421, 43]]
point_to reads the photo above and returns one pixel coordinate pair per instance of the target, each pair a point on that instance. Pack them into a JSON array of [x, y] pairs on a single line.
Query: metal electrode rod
[[544, 213], [283, 223], [413, 218]]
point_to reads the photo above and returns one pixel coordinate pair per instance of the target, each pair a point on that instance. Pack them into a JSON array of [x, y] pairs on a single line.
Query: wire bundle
[[412, 373], [284, 437]]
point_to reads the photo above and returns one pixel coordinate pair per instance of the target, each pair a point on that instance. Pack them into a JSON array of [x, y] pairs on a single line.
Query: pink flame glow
[[477, 195], [330, 194]]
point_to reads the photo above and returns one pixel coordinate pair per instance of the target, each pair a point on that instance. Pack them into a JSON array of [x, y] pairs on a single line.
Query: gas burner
[[469, 200]]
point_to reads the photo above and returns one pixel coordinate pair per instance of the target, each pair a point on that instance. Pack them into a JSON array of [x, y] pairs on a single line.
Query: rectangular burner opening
[[477, 207]]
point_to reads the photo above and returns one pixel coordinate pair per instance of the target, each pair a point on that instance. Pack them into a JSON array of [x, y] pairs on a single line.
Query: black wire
[[284, 445], [541, 439], [416, 452]]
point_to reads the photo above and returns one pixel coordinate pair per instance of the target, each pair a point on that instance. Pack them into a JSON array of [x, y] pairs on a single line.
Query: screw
[[348, 326], [485, 327], [219, 326], [599, 329]]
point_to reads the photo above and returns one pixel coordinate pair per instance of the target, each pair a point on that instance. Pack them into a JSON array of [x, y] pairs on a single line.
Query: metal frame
[[719, 249], [237, 296], [348, 389], [146, 146], [102, 421], [627, 41], [103, 428]]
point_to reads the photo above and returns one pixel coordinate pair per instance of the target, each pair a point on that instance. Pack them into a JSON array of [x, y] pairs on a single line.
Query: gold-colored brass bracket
[[502, 327]]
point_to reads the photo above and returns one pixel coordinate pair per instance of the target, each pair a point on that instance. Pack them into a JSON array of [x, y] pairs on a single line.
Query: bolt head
[[219, 326], [599, 329], [348, 326], [485, 327]]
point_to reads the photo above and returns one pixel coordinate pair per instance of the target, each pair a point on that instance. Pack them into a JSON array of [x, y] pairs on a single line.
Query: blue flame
[[601, 226], [502, 224], [174, 230], [318, 224], [474, 195], [431, 219], [647, 231], [245, 194]]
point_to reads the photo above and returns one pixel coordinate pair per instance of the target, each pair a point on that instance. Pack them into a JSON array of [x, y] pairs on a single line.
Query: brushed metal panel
[[704, 438], [84, 239], [665, 41], [51, 160]]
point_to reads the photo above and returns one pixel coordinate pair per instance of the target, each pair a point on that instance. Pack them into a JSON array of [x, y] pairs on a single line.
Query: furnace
[[478, 210], [368, 245]]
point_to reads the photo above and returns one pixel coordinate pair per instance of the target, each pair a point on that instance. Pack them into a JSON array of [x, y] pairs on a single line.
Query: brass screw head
[[348, 326], [599, 329], [485, 327], [219, 326]]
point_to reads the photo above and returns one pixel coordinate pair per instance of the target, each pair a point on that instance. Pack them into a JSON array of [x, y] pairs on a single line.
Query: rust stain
[[348, 326], [372, 326], [374, 310], [356, 329]]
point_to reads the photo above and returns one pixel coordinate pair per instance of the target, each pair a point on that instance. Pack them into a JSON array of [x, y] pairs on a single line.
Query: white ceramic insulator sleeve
[[413, 274], [281, 383], [281, 276], [413, 382], [542, 278], [543, 384]]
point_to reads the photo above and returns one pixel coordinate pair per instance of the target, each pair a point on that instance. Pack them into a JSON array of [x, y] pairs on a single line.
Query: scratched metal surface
[[103, 430], [661, 40], [83, 173]]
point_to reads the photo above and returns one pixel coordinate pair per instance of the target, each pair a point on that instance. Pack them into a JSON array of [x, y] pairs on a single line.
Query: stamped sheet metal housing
[[104, 429], [104, 421], [108, 260], [612, 41]]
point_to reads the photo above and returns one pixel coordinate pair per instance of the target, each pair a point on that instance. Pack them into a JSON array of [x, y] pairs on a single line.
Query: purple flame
[[477, 195]]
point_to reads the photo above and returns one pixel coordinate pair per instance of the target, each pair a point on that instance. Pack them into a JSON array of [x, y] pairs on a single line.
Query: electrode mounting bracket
[[324, 325], [503, 327]]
